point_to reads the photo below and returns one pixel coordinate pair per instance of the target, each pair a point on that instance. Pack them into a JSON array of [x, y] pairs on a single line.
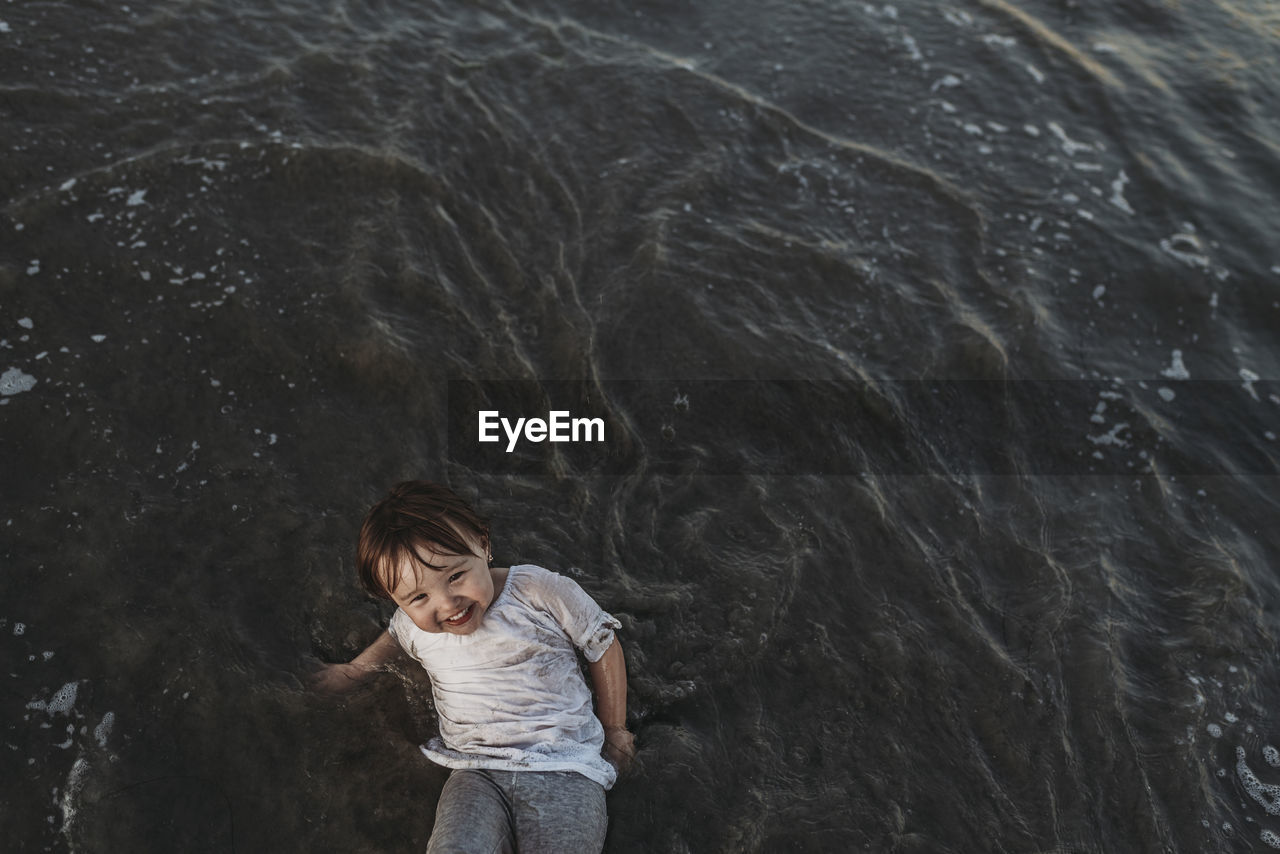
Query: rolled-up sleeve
[[588, 626]]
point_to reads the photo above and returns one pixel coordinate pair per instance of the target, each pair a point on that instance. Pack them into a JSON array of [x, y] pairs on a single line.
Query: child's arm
[[609, 682], [337, 678]]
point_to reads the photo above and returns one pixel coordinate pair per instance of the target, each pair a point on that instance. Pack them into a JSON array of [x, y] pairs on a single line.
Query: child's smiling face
[[445, 593]]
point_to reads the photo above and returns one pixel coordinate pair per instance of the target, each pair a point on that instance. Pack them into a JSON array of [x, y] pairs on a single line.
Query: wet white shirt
[[509, 695]]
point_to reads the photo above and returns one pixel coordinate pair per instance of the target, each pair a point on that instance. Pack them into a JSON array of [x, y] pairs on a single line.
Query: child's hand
[[619, 747], [338, 678]]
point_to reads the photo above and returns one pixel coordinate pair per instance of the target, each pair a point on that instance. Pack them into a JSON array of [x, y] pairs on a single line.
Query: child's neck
[[499, 576]]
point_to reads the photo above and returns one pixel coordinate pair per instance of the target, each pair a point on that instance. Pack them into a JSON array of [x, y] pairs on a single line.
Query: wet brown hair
[[414, 515]]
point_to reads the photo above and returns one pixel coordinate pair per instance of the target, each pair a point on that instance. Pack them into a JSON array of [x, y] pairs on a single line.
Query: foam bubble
[[64, 698], [912, 48], [1266, 794], [1069, 145], [75, 782], [26, 322], [1272, 756], [1270, 838], [60, 703], [1249, 378], [103, 730], [1111, 437], [14, 381], [1176, 370], [1117, 193], [1214, 730], [1186, 247]]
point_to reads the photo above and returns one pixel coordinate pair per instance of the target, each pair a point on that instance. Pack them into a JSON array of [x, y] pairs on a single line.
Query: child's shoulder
[[521, 580], [525, 574], [535, 585]]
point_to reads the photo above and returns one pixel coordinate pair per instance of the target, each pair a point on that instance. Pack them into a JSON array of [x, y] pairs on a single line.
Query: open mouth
[[462, 617]]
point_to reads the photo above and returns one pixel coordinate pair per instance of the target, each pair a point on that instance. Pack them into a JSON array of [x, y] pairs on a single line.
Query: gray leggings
[[519, 812]]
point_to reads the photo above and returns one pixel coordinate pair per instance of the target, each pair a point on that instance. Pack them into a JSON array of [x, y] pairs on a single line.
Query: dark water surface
[[251, 252]]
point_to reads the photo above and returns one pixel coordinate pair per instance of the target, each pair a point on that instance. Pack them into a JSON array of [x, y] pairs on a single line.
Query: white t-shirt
[[510, 695]]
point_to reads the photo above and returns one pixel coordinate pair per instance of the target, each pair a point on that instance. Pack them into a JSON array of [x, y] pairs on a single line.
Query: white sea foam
[[1069, 145], [26, 322], [1250, 378], [103, 730], [1186, 248], [71, 791], [1272, 756], [913, 49], [61, 703], [1112, 436], [1117, 193], [1266, 794], [1176, 370], [14, 381]]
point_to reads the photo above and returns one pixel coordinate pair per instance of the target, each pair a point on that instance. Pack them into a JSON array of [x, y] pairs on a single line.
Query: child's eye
[[456, 576], [417, 598]]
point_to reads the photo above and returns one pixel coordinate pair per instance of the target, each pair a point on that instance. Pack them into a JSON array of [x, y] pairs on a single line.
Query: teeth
[[457, 615]]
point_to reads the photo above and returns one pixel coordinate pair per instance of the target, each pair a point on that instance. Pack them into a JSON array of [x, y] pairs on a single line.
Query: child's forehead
[[420, 564]]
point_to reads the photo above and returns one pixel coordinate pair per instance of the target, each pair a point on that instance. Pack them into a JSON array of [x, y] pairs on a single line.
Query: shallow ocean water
[[260, 261]]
